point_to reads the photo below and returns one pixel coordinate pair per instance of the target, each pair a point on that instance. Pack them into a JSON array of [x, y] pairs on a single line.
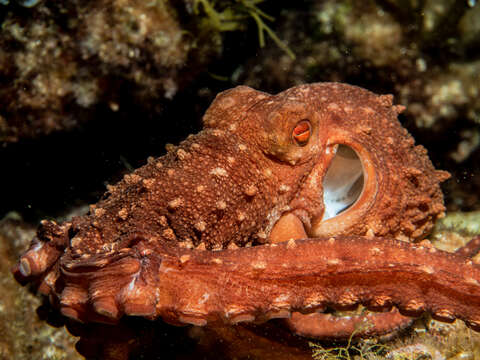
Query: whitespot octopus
[[284, 204]]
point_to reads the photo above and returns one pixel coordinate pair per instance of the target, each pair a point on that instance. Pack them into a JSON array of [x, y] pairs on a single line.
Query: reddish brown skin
[[173, 240]]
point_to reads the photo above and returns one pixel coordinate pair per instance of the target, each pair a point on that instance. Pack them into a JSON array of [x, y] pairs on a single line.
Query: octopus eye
[[301, 133]]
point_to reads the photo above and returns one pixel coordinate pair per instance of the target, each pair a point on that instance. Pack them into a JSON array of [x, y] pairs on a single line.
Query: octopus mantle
[[294, 202]]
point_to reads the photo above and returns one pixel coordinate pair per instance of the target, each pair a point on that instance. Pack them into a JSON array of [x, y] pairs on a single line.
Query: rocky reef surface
[[66, 63]]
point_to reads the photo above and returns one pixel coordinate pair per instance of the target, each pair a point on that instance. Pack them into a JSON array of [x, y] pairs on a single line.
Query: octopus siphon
[[282, 206]]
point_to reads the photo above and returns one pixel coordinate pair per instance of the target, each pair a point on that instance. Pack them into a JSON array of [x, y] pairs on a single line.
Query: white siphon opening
[[343, 182]]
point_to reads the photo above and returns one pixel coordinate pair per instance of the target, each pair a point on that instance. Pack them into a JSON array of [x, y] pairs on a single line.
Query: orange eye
[[301, 133]]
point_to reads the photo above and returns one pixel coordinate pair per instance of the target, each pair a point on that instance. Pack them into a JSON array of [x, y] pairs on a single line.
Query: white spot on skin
[[203, 299], [370, 234], [217, 247], [187, 244], [77, 240], [170, 172], [333, 261], [259, 265], [200, 188], [123, 213], [217, 261], [241, 216], [182, 154], [226, 102], [219, 172], [283, 188], [169, 234], [262, 234], [232, 246], [472, 281], [221, 205], [427, 269], [51, 278], [281, 300], [375, 251], [184, 258], [242, 147], [200, 225], [251, 190], [99, 212], [233, 310], [162, 220], [149, 183], [131, 285], [333, 107], [231, 160], [132, 178], [175, 203]]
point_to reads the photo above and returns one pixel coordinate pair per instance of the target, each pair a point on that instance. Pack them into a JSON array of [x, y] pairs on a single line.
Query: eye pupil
[[301, 133]]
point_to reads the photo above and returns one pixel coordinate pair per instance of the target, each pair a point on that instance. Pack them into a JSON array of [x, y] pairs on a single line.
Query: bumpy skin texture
[[173, 239]]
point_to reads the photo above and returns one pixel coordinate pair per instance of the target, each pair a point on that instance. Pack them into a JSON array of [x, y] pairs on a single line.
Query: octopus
[[283, 206]]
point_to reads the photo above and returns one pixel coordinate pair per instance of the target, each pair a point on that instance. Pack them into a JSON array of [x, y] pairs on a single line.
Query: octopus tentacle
[[321, 273], [108, 285], [324, 326], [471, 248], [44, 251], [93, 284], [328, 326]]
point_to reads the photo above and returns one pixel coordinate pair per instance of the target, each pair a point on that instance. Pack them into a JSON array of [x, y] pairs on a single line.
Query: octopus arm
[[310, 275], [329, 326], [471, 248]]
